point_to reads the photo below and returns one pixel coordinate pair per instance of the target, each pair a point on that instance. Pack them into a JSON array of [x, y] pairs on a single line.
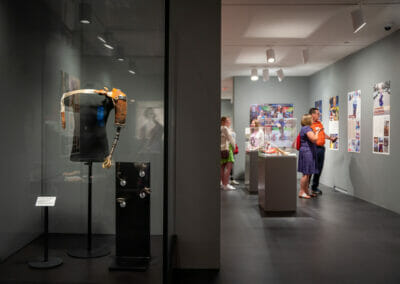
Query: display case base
[[130, 263], [85, 253], [40, 263]]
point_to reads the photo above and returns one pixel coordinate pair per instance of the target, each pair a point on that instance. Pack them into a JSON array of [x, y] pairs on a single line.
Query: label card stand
[[45, 262]]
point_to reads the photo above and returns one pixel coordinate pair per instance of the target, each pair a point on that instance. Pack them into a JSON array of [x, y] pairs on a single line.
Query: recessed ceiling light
[[132, 72]]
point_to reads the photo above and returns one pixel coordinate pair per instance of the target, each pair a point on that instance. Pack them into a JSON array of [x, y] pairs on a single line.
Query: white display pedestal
[[251, 172], [277, 183]]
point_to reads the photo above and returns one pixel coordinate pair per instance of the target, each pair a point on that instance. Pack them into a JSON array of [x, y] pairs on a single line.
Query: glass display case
[[277, 137], [70, 132]]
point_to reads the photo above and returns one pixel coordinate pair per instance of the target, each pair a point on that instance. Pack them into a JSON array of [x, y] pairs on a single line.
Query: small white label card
[[45, 201]]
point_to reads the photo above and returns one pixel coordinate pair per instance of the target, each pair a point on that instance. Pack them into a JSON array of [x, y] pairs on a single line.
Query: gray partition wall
[[195, 59], [366, 175], [21, 116]]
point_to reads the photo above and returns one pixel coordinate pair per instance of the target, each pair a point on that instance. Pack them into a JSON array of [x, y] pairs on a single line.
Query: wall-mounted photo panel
[[265, 113], [381, 119], [334, 122], [318, 105], [354, 121]]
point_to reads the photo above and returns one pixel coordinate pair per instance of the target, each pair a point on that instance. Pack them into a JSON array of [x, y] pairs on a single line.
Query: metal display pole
[[89, 251]]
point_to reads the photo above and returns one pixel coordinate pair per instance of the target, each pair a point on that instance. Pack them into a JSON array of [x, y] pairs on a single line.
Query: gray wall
[[195, 88], [227, 108], [21, 113], [292, 90], [368, 176]]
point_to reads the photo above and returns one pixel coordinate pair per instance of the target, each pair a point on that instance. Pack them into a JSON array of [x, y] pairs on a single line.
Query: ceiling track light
[[265, 74], [85, 13], [120, 54], [102, 37], [280, 74], [358, 20], [271, 55], [254, 74], [109, 46], [131, 67], [306, 55], [107, 40]]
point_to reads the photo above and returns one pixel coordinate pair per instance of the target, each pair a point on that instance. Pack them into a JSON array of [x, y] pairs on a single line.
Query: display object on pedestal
[[91, 109], [132, 219]]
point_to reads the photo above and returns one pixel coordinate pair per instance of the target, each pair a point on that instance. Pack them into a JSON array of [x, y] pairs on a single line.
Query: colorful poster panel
[[381, 118], [318, 105], [267, 112], [354, 121], [334, 122], [281, 132]]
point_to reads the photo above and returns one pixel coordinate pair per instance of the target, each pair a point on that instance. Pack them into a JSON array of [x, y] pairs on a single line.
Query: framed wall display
[[265, 113], [354, 121], [381, 118], [334, 121], [318, 105]]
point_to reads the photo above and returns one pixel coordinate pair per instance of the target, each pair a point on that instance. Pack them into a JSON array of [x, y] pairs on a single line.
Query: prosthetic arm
[[120, 106]]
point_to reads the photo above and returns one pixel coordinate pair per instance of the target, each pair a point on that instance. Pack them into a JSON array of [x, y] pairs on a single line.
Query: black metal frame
[[166, 251]]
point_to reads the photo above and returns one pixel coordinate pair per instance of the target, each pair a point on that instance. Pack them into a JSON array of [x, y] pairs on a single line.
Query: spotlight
[[85, 13], [120, 54], [265, 75], [280, 75], [357, 18], [132, 67], [270, 55], [254, 74], [109, 46], [106, 40], [306, 56], [102, 38]]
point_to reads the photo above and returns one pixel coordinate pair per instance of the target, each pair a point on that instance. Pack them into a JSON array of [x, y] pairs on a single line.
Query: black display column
[[132, 216]]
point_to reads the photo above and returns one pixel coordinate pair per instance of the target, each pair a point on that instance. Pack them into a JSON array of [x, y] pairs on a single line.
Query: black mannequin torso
[[91, 112]]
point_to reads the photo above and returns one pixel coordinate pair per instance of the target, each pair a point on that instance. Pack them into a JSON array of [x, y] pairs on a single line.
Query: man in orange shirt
[[320, 147]]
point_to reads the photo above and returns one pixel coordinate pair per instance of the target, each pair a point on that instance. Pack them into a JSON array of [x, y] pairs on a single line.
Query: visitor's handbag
[[224, 154], [298, 142], [236, 150]]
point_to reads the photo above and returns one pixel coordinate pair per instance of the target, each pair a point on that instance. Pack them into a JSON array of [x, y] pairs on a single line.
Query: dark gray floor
[[74, 270], [334, 238]]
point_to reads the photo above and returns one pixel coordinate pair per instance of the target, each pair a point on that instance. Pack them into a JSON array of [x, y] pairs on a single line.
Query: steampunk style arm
[[120, 106]]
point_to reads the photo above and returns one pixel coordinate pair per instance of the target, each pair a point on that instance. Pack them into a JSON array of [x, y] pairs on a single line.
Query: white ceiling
[[324, 27]]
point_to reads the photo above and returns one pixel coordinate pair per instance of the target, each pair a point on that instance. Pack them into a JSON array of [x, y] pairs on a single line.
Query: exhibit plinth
[[251, 172], [132, 218], [277, 182], [89, 251]]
